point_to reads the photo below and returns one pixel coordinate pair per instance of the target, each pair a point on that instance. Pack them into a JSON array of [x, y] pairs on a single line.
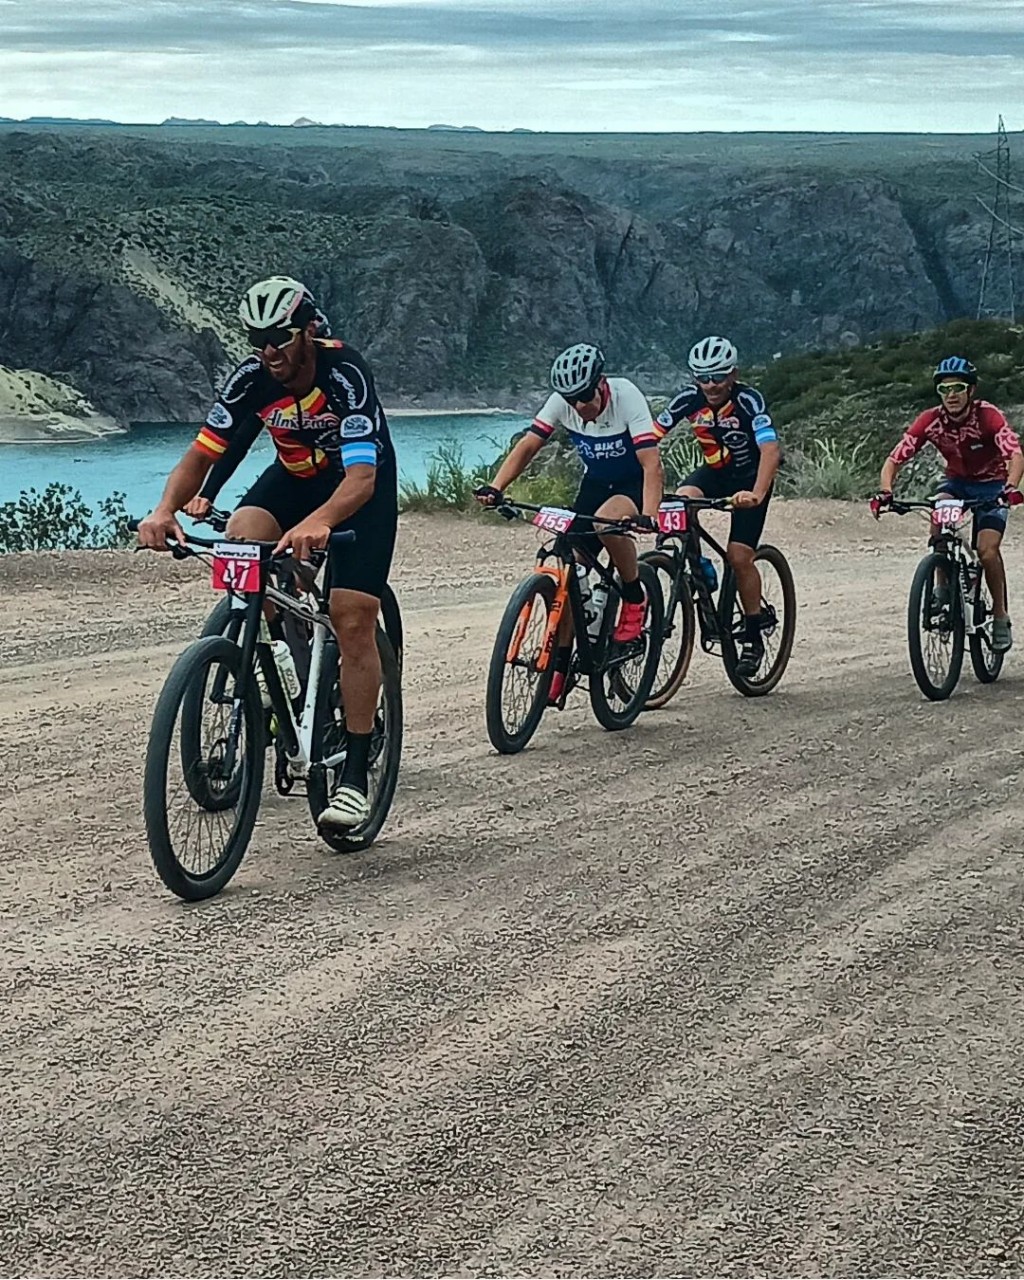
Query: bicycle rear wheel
[[778, 622], [517, 690], [678, 629], [935, 636], [199, 826], [620, 689], [329, 739], [986, 661]]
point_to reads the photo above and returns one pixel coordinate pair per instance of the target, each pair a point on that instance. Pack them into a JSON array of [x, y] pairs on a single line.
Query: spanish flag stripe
[[285, 403], [210, 444]]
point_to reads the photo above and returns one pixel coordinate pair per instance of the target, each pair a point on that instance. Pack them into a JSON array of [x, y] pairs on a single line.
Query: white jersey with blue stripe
[[608, 446]]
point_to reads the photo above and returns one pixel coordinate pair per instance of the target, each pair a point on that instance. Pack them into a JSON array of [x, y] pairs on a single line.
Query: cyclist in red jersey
[[983, 461]]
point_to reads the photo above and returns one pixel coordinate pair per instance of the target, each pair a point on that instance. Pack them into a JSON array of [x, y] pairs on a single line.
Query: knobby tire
[[184, 689]]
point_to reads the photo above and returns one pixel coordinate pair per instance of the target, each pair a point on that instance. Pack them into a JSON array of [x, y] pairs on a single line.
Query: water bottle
[[586, 597], [598, 602], [708, 572], [286, 668]]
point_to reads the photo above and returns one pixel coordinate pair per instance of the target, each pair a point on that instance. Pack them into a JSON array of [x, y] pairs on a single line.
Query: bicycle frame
[[951, 543], [590, 653], [297, 734], [688, 547]]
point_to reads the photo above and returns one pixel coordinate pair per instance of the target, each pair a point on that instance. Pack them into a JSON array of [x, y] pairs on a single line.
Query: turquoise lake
[[137, 463]]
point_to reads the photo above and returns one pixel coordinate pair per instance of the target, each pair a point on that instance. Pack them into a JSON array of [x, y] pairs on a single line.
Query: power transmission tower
[[998, 293]]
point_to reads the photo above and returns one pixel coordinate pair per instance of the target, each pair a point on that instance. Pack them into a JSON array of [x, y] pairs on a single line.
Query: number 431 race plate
[[236, 567]]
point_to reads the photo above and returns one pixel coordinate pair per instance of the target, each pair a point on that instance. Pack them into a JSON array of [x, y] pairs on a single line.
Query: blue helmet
[[955, 367]]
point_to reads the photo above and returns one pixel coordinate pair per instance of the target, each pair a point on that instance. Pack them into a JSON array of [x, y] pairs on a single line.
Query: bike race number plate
[[948, 511], [236, 567], [554, 519], [672, 517]]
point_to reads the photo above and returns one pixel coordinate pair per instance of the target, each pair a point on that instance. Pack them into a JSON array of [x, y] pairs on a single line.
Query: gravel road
[[737, 991]]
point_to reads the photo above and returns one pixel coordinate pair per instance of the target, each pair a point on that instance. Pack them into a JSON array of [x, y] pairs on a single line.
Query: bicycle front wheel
[[778, 623], [517, 690], [199, 823], [678, 630], [935, 627], [986, 661], [329, 740], [620, 689]]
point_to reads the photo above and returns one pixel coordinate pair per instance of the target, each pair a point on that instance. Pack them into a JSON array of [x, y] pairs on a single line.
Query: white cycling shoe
[[348, 808]]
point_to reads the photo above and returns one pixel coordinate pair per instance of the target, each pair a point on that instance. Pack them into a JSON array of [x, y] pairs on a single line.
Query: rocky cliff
[[461, 265]]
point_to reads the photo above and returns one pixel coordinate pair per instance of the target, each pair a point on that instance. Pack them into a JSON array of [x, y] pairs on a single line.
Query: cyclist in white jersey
[[609, 422]]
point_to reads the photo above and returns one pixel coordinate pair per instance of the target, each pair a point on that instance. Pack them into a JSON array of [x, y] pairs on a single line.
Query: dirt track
[[737, 991]]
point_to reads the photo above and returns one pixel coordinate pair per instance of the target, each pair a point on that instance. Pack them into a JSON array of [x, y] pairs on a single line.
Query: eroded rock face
[[118, 348], [459, 273], [407, 292]]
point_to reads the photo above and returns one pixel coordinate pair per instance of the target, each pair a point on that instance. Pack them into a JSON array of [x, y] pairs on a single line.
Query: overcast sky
[[933, 65]]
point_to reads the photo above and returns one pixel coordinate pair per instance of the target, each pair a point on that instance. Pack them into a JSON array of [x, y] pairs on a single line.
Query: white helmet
[[712, 355], [577, 369], [276, 302]]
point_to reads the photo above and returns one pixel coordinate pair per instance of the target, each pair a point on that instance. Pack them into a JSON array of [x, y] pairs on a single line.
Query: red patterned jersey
[[975, 447]]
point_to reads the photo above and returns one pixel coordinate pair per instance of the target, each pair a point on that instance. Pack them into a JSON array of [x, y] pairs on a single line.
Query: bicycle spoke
[[201, 814]]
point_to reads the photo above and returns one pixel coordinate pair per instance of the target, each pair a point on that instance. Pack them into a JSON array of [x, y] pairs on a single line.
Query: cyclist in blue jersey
[[335, 468], [741, 458], [609, 422]]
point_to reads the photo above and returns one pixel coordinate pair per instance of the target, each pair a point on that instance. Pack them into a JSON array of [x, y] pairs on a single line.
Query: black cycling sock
[[633, 592], [562, 656], [753, 635], [357, 758]]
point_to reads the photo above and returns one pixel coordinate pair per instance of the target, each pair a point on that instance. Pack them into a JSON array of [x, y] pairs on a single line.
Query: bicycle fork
[[550, 640]]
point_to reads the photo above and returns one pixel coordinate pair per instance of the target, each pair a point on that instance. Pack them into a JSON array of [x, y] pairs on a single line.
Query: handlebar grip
[[342, 536], [133, 524]]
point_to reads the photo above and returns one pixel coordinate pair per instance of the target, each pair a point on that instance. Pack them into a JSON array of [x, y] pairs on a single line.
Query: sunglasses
[[581, 397], [951, 388], [713, 379], [277, 338]]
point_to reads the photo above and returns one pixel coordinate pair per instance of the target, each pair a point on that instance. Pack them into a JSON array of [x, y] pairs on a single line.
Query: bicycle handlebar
[[512, 510], [902, 507], [339, 537], [698, 504], [216, 519]]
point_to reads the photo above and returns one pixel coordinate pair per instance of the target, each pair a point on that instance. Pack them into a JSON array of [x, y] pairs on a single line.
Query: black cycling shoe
[[751, 657]]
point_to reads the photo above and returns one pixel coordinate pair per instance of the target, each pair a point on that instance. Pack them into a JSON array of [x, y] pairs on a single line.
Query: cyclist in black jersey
[[243, 437], [741, 457], [335, 469]]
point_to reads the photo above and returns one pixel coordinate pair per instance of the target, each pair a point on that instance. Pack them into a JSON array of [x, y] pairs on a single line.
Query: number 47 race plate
[[236, 567]]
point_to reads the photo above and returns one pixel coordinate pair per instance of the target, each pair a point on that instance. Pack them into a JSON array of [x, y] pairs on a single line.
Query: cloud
[[595, 64]]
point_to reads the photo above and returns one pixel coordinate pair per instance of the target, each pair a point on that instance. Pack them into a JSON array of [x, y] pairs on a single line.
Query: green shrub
[[897, 367], [450, 482], [830, 470], [680, 454], [58, 519]]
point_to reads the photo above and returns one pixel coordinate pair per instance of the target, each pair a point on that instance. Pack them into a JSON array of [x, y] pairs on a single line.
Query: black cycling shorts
[[365, 564], [748, 522], [594, 494]]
